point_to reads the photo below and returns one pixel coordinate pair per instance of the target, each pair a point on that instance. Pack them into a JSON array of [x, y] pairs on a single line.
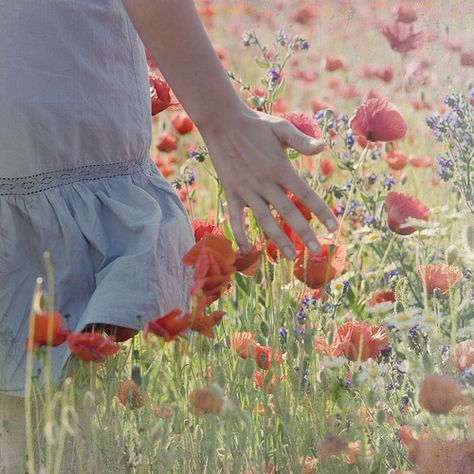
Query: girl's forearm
[[179, 45]]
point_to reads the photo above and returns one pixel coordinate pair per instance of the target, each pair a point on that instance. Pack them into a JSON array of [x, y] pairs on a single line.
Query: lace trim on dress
[[53, 179]]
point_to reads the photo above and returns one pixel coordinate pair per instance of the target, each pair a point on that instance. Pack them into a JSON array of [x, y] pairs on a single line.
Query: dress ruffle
[[116, 243]]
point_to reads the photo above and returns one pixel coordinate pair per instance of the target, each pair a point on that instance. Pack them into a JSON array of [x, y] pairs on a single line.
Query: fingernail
[[317, 143], [289, 253], [314, 247], [331, 223]]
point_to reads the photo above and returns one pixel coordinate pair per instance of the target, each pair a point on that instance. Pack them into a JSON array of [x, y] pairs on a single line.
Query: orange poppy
[[203, 401], [129, 394], [169, 326], [258, 379], [439, 394], [443, 457], [317, 270], [247, 263], [203, 324], [359, 341], [243, 343], [464, 354], [213, 260]]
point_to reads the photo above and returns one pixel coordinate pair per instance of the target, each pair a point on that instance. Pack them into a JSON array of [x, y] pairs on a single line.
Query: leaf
[[280, 89], [261, 64], [293, 154], [228, 232], [468, 238]]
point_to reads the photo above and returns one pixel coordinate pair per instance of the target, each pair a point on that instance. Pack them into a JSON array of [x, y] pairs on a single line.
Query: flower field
[[355, 359]]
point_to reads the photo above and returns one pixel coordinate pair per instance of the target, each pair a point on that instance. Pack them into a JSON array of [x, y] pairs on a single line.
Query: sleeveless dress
[[76, 177]]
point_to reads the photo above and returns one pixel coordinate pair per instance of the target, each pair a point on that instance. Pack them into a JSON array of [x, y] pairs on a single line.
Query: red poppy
[[305, 124], [182, 124], [202, 227], [359, 341], [326, 166], [405, 13], [160, 93], [334, 63], [272, 250], [166, 142], [213, 260], [441, 277], [402, 37], [378, 120], [40, 334], [400, 207], [317, 270], [169, 326], [303, 209], [221, 52], [381, 296], [264, 355], [396, 159], [92, 346], [247, 263], [119, 333]]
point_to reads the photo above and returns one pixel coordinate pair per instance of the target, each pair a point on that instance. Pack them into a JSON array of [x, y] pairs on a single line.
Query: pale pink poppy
[[402, 37], [305, 124], [405, 13], [439, 277], [378, 120], [400, 207]]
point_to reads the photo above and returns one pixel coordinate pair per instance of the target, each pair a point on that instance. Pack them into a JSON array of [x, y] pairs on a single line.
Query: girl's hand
[[247, 151], [246, 147]]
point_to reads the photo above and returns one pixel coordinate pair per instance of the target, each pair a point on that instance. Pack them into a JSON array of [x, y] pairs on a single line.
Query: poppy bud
[[452, 254]]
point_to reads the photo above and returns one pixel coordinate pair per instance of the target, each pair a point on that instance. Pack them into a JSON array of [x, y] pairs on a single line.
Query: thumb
[[290, 136]]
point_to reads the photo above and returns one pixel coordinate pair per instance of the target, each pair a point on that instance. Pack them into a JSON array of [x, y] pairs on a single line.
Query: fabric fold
[[116, 245]]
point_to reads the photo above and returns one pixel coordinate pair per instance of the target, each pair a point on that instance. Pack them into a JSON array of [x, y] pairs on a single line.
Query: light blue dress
[[76, 178]]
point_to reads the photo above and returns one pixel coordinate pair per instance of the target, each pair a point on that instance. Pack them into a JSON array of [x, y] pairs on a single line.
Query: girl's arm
[[246, 147]]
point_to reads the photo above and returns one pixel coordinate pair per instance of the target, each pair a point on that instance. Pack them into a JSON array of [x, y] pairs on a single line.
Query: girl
[[76, 178]]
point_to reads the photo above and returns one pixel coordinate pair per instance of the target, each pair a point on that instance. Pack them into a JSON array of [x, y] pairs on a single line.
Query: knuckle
[[288, 210], [307, 194]]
